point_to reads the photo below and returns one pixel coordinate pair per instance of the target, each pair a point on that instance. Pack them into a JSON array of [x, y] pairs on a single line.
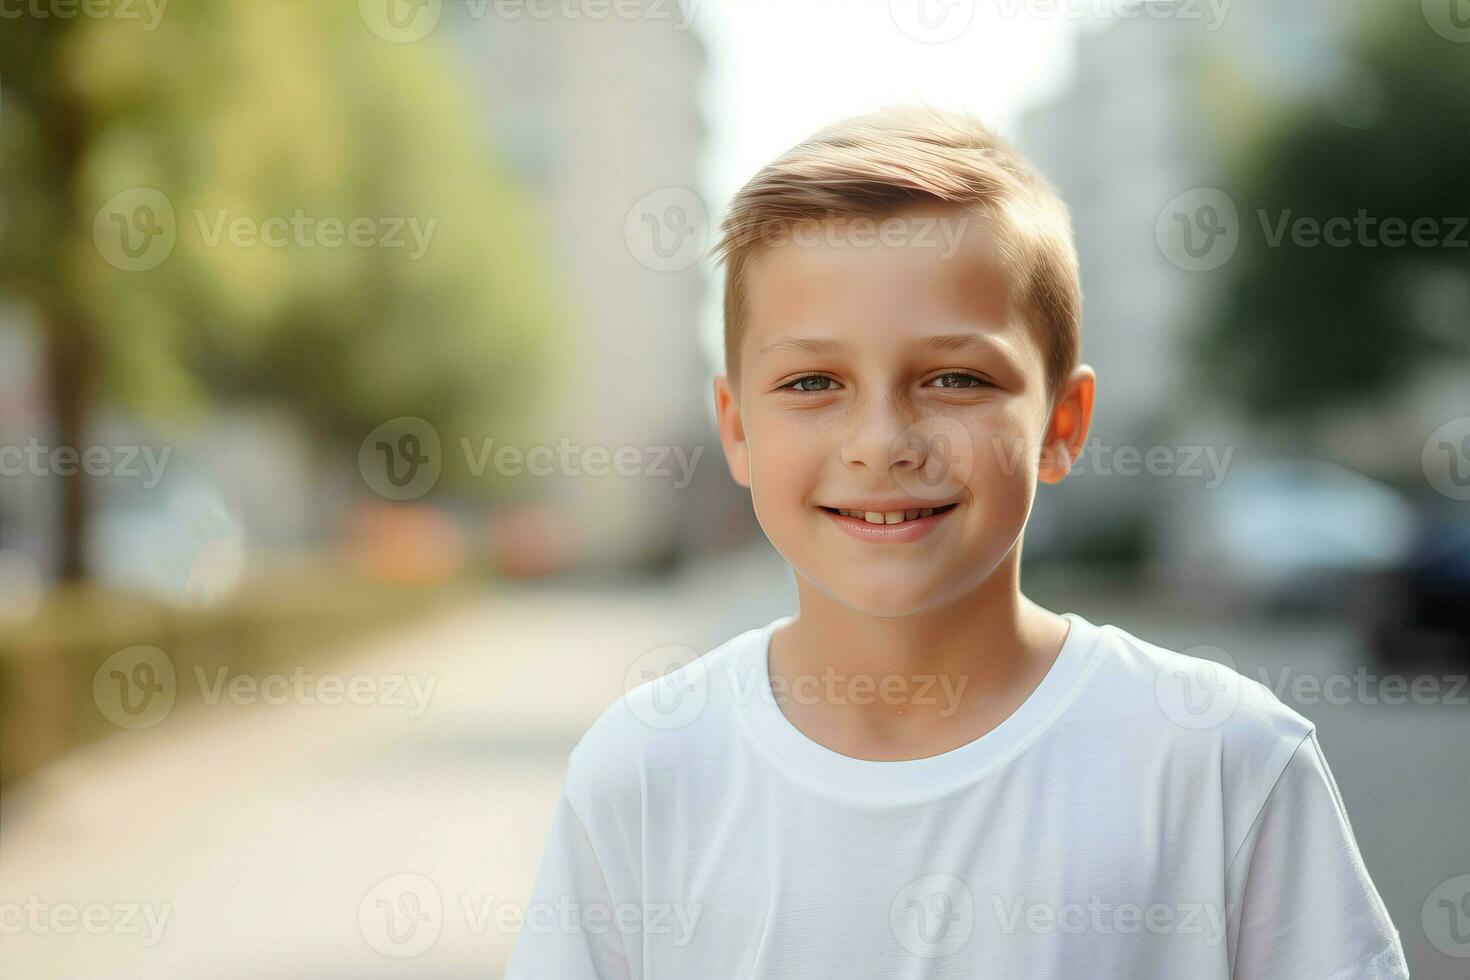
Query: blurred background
[[356, 447]]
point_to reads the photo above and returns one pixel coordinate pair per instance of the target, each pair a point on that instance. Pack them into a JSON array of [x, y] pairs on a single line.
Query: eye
[[811, 382], [958, 379]]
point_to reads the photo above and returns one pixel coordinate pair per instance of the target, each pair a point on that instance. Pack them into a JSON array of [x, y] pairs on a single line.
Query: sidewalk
[[255, 840], [350, 842]]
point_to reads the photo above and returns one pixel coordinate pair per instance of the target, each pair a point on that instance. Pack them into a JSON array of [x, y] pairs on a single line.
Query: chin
[[883, 597]]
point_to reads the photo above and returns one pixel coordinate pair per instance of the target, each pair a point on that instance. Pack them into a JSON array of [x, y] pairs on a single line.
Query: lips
[[888, 516], [875, 525]]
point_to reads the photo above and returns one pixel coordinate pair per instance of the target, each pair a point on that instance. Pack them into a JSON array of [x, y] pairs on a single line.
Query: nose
[[882, 438]]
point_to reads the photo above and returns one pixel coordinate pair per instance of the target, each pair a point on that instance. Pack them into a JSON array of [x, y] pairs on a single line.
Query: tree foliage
[[1304, 328]]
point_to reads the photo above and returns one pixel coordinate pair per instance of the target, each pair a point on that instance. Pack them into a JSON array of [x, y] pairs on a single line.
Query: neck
[[955, 667]]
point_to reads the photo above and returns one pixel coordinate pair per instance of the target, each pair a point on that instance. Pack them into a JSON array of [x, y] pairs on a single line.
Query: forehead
[[881, 278]]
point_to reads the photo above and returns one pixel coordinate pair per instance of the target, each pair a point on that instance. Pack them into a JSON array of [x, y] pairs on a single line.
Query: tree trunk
[[71, 353], [69, 370]]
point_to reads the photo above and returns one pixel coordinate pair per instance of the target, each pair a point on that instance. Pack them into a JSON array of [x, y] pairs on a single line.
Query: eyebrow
[[940, 343]]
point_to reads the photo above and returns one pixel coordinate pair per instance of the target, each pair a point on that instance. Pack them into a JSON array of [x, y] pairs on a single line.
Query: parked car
[[1422, 610], [1287, 534]]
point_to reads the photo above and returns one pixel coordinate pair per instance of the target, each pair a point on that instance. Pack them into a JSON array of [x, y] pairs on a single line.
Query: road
[[393, 838]]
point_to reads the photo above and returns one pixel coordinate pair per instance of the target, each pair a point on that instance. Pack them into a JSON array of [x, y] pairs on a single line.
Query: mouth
[[886, 517], [888, 526]]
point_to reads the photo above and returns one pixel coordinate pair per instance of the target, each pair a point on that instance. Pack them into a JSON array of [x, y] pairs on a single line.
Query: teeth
[[887, 516]]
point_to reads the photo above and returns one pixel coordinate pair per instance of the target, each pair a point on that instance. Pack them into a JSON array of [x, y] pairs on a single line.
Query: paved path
[[277, 838]]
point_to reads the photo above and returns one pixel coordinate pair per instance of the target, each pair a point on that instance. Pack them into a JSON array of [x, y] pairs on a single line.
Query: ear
[[732, 431], [1066, 432]]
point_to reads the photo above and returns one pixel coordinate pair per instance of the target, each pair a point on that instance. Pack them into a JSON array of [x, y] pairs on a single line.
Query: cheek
[[784, 458], [1005, 456]]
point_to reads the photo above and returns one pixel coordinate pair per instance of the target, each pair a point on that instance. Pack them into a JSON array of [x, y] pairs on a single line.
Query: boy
[[923, 773]]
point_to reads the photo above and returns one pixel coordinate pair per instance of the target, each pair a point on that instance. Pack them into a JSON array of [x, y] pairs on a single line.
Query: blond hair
[[877, 164]]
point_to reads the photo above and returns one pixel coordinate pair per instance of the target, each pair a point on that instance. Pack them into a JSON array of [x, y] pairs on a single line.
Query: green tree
[[240, 112], [1302, 329]]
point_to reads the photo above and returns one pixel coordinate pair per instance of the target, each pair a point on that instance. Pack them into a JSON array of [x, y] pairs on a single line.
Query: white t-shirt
[[1142, 814]]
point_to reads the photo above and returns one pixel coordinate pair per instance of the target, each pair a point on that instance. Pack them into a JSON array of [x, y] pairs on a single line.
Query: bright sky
[[781, 69]]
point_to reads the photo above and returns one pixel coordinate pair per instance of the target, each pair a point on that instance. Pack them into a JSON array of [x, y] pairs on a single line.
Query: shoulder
[[1217, 730], [1199, 688], [678, 716]]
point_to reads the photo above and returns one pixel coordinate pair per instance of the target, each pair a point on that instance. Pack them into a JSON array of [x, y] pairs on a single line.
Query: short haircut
[[877, 164]]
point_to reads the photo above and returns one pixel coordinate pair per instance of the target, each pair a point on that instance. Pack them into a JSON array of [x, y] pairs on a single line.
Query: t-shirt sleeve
[[570, 930], [1307, 906]]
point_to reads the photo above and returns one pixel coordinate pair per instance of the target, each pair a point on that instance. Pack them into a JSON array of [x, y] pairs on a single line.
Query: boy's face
[[887, 375]]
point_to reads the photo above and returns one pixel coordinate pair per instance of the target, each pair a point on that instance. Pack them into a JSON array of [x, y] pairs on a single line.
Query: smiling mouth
[[890, 516]]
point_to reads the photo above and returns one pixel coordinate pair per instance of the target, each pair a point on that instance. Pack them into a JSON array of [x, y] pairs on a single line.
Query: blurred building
[[596, 116], [1153, 108]]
